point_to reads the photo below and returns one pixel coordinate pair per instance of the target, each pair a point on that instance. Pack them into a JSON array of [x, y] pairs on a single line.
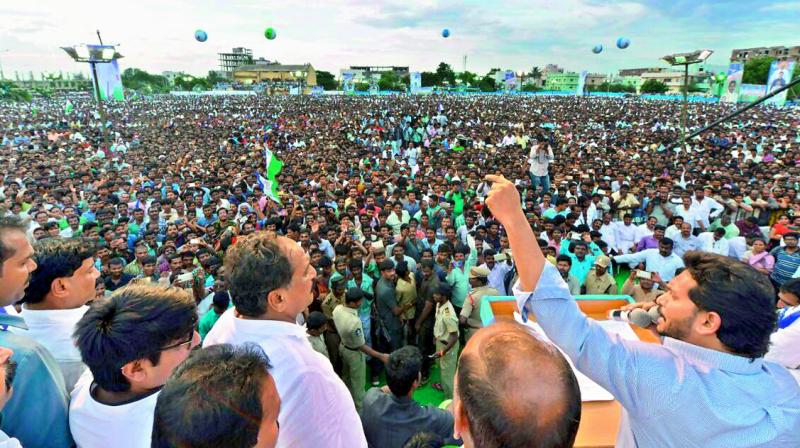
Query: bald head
[[514, 390]]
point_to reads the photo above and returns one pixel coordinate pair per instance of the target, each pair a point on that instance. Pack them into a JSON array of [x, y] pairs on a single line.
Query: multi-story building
[[275, 74], [673, 79], [364, 73], [639, 71], [228, 62], [780, 53], [561, 81]]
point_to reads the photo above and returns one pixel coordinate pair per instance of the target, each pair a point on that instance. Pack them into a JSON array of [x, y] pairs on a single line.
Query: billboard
[[780, 73], [730, 91], [510, 80], [751, 92], [349, 82], [581, 82], [415, 81], [109, 81]]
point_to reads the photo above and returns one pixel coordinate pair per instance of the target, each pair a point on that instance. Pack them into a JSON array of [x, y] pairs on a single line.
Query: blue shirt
[[677, 394], [654, 262], [786, 265], [36, 413]]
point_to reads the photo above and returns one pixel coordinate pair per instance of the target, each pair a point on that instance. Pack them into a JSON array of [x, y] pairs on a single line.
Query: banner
[[349, 82], [751, 92], [509, 80], [415, 81], [730, 92], [109, 81], [269, 185], [581, 82], [780, 73], [373, 85]]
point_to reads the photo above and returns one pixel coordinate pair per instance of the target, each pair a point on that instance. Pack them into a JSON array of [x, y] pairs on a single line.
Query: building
[[363, 73], [56, 83], [275, 74], [780, 53], [595, 79], [639, 71], [228, 62], [674, 79], [561, 82]]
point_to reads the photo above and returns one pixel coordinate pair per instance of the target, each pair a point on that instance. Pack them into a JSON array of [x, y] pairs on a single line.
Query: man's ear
[[134, 371], [276, 300], [709, 323]]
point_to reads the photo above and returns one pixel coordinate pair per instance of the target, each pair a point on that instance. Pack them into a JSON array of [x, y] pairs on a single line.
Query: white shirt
[[497, 275], [8, 442], [53, 329], [625, 236], [783, 346], [94, 424], [737, 246], [719, 247], [609, 234], [316, 408], [705, 209], [539, 162]]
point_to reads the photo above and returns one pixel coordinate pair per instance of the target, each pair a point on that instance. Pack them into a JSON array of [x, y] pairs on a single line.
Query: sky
[[334, 34]]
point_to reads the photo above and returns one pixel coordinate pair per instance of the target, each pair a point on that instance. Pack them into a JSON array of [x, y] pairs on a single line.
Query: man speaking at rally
[[707, 385]]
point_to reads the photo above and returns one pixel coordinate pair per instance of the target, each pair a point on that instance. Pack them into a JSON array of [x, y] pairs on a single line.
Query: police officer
[[445, 333], [331, 301], [353, 347], [471, 312], [599, 281]]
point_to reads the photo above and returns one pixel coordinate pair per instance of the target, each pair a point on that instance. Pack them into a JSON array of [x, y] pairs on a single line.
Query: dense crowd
[[152, 233]]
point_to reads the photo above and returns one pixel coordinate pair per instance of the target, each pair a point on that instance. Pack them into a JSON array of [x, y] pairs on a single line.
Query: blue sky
[[332, 34]]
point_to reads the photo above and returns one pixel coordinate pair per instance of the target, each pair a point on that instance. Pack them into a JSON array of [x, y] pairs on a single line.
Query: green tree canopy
[[756, 70], [445, 73], [653, 86], [326, 80]]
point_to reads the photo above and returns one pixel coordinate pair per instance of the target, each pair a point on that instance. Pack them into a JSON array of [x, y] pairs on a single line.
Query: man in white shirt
[[131, 342], [609, 231], [715, 242], [539, 159], [625, 234], [786, 338], [498, 265], [661, 260], [56, 297], [270, 281], [705, 209]]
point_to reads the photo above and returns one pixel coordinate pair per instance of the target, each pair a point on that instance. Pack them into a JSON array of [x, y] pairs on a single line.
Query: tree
[[362, 86], [612, 87], [326, 80], [696, 87], [529, 87], [468, 78], [11, 92], [445, 73], [487, 84], [535, 74], [794, 92], [389, 81], [136, 79], [756, 70], [429, 79], [215, 78], [653, 86]]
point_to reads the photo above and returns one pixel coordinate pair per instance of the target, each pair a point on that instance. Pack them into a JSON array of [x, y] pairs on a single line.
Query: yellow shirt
[[407, 293]]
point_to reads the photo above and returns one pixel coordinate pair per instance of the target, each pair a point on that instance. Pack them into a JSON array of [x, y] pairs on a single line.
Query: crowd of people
[[133, 236]]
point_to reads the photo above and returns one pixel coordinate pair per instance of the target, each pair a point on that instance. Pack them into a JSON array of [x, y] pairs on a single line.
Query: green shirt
[[207, 322]]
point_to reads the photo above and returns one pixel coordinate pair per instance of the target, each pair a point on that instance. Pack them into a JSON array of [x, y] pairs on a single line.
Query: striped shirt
[[786, 265]]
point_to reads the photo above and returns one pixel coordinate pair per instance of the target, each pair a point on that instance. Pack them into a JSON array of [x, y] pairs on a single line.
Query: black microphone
[[636, 316]]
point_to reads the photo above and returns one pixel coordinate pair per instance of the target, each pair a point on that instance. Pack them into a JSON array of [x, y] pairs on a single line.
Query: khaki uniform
[[354, 371], [329, 303], [446, 324], [332, 340], [472, 308], [407, 293], [605, 284]]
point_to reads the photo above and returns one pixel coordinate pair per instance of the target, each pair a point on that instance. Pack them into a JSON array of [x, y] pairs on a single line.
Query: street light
[[93, 55], [686, 59]]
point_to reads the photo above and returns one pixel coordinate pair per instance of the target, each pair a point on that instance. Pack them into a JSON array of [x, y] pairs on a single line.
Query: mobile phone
[[194, 241], [644, 274], [575, 236], [185, 278]]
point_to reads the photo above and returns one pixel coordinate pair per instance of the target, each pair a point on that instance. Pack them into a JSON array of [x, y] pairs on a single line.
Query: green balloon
[[721, 76], [270, 33]]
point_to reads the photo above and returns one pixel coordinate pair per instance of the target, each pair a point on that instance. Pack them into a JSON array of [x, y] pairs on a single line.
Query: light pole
[[93, 55], [2, 76], [686, 59]]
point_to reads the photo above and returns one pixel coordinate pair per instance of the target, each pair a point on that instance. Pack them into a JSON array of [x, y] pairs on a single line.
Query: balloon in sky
[[445, 33], [270, 33], [597, 49], [623, 42], [721, 76], [200, 35]]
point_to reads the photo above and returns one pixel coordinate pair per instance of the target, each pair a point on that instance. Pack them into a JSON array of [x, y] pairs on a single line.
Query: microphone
[[636, 316]]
